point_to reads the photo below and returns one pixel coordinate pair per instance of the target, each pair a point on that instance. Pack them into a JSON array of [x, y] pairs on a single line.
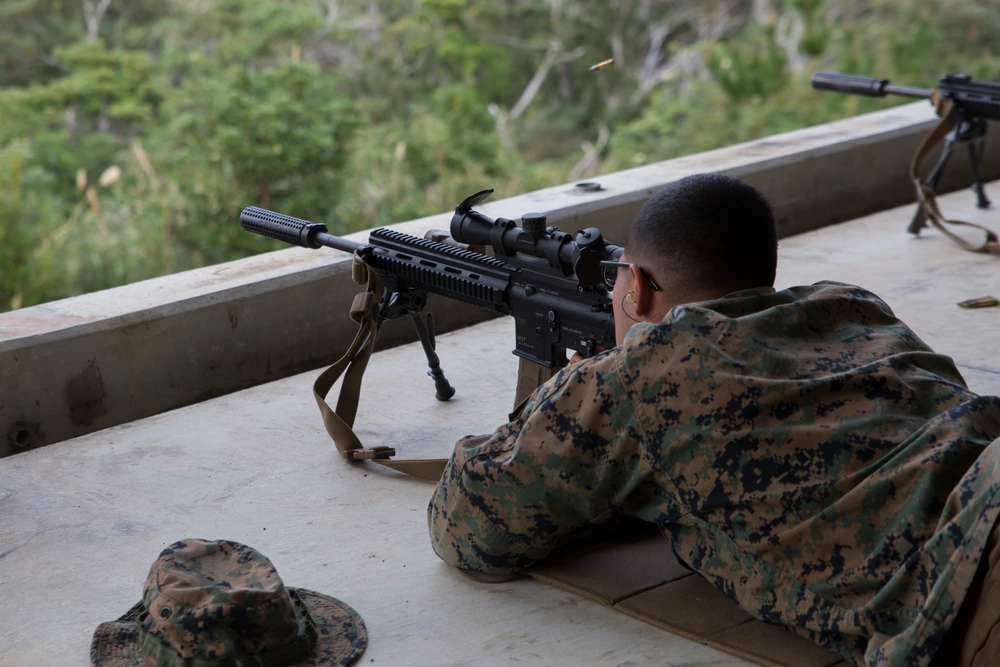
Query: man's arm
[[570, 458]]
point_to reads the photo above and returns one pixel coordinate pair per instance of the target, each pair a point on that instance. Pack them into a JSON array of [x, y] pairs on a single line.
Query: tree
[[277, 137], [360, 113]]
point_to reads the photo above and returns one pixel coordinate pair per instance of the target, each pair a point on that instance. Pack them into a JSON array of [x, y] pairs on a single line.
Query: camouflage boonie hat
[[222, 603]]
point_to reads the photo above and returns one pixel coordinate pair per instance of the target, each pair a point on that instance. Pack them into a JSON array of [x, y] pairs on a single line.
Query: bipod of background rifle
[[967, 131]]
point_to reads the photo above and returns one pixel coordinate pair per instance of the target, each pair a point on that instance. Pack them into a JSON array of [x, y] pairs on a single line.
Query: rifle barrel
[[337, 243], [868, 86], [908, 91]]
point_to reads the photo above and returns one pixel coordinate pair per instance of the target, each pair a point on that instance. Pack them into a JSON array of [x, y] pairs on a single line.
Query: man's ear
[[643, 293]]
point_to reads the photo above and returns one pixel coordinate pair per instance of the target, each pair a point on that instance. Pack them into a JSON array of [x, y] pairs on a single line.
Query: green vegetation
[[132, 132]]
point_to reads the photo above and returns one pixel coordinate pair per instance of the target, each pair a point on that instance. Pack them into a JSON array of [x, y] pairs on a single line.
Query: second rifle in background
[[964, 104]]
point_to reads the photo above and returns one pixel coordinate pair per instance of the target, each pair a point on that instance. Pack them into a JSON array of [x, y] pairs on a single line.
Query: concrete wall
[[78, 365]]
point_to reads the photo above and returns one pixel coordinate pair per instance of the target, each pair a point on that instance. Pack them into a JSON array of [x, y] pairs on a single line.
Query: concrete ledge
[[78, 365]]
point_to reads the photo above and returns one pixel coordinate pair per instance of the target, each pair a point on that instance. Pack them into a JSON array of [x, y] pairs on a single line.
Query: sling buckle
[[370, 453]]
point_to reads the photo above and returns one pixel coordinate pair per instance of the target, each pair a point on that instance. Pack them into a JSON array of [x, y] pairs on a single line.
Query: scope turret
[[533, 223]]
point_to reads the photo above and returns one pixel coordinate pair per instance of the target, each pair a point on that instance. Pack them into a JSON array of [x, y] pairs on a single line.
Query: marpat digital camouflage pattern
[[804, 451], [224, 601]]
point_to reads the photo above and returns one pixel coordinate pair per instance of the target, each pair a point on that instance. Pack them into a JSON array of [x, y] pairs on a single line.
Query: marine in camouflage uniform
[[803, 450]]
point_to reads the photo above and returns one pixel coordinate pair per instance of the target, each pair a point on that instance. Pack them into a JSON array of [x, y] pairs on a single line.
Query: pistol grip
[[529, 377]]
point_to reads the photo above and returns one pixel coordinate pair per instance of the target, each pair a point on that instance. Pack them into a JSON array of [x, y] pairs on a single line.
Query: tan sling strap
[[925, 194], [339, 422]]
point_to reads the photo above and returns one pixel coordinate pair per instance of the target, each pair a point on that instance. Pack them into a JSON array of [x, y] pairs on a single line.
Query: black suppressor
[[294, 231]]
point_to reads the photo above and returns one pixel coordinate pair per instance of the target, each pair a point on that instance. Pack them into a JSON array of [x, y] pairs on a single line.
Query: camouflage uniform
[[804, 451]]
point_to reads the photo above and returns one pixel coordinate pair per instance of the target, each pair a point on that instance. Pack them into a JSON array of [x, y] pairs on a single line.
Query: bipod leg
[[919, 217], [977, 186], [426, 335]]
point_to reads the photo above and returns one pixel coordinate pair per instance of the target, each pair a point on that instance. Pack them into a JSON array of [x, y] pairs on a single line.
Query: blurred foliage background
[[132, 132]]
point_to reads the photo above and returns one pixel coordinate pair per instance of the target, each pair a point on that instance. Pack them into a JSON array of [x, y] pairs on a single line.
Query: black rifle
[[548, 281], [975, 103]]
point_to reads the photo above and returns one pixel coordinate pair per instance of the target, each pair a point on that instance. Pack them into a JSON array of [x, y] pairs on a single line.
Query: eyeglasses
[[609, 271]]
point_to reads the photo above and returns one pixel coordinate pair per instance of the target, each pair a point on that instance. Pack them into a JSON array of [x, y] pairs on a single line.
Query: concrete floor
[[922, 279], [83, 520]]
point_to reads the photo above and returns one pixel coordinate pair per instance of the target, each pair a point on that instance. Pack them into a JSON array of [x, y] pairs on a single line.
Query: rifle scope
[[581, 256]]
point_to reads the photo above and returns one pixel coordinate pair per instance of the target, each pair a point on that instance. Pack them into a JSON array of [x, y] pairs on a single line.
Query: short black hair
[[710, 230]]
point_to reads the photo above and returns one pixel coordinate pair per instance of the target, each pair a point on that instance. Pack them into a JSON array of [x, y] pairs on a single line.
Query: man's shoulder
[[748, 302], [764, 307], [828, 316]]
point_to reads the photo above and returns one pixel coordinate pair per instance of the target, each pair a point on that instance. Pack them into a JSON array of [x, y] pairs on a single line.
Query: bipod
[[967, 131], [412, 303]]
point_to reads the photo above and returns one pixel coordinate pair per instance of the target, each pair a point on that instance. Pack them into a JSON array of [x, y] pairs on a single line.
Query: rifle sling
[[339, 422], [925, 194]]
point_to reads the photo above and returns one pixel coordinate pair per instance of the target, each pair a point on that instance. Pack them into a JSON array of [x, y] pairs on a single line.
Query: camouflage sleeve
[[569, 459]]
